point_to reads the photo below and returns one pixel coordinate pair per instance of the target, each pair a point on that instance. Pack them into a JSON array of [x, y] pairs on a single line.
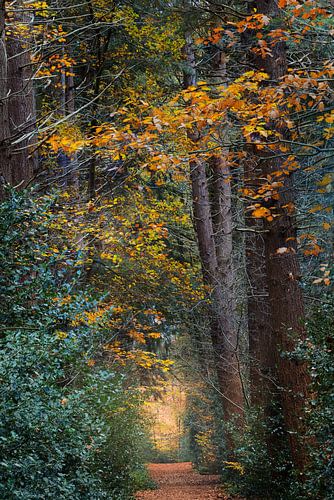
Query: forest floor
[[180, 481]]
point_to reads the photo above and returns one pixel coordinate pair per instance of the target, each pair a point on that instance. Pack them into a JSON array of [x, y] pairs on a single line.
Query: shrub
[[317, 350], [70, 428], [257, 473], [261, 466]]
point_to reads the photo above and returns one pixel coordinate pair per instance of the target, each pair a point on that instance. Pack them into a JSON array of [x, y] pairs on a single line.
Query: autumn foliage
[[166, 211]]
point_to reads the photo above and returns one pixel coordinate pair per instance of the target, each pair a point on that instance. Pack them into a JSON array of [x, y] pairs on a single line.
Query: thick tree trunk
[[285, 295], [21, 106], [221, 214], [4, 123], [221, 208], [223, 331], [213, 226], [262, 344], [287, 313], [17, 101]]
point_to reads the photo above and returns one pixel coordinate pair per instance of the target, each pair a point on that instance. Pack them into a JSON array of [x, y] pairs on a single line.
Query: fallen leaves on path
[[179, 481]]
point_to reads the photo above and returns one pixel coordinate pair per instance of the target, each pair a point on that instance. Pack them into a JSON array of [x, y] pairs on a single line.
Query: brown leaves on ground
[[179, 481]]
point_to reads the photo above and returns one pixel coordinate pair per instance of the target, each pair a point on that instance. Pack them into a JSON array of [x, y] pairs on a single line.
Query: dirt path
[[181, 482]]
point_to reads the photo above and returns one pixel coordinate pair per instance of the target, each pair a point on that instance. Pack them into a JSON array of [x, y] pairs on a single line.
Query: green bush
[[317, 350], [45, 428], [256, 473], [63, 441], [261, 466], [70, 429]]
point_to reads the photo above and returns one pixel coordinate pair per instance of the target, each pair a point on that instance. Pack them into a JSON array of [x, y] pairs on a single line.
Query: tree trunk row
[[275, 300]]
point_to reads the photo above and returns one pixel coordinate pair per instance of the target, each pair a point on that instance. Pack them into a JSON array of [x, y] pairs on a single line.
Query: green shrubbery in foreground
[[69, 428], [256, 473]]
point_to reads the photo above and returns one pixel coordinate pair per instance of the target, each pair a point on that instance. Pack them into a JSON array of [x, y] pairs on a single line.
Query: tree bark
[[213, 226], [68, 163], [223, 331], [4, 123], [262, 344], [17, 101], [21, 105], [282, 269]]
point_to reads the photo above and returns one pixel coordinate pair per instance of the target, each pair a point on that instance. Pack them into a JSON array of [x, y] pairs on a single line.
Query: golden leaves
[[262, 213], [316, 208], [68, 138], [237, 466], [40, 8], [142, 359], [154, 335], [116, 259], [312, 247], [253, 22], [137, 336]]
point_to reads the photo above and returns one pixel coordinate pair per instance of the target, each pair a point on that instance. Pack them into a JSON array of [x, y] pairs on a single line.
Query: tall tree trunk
[[4, 123], [285, 295], [221, 214], [223, 331], [213, 226], [21, 104], [262, 344], [219, 184]]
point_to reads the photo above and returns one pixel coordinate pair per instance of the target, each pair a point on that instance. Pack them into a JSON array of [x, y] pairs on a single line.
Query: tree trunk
[[21, 106], [262, 344], [4, 123], [285, 295], [68, 163], [17, 101], [213, 226], [223, 331]]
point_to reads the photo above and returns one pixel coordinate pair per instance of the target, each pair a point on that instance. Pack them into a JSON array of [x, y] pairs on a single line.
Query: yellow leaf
[[327, 179], [260, 212], [316, 208]]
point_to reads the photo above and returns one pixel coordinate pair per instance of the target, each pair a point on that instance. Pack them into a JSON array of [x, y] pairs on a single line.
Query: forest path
[[179, 481]]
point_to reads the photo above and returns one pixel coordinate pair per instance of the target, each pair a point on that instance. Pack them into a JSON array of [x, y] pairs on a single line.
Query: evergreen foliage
[[67, 431]]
